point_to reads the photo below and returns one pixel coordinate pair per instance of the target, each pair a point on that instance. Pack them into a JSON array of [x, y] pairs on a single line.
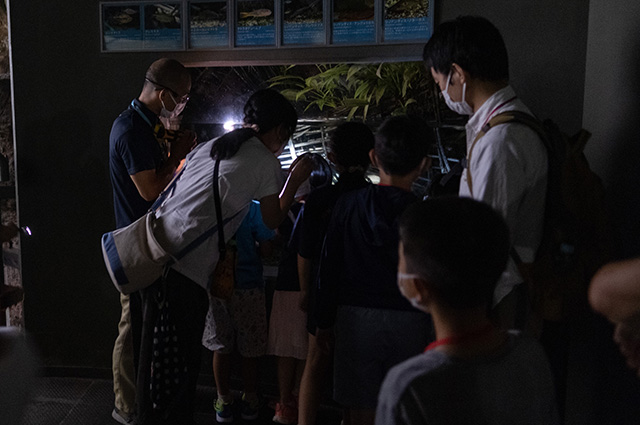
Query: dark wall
[[67, 94], [609, 393], [611, 111]]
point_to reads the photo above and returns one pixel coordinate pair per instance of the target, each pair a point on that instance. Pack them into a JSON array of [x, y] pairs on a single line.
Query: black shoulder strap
[[222, 246]]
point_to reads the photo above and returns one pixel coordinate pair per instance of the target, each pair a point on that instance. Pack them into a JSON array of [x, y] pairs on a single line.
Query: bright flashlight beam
[[229, 125]]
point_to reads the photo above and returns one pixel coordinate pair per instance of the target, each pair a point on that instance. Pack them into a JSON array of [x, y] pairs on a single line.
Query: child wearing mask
[[452, 253]]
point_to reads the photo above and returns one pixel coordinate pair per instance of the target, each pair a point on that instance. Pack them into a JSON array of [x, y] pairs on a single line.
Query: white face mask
[[165, 113], [415, 302], [461, 107]]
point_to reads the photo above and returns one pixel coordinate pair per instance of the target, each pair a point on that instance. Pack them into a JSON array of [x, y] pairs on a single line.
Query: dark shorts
[[369, 342]]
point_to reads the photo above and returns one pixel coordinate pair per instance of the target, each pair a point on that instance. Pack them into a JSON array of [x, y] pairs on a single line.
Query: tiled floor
[[84, 401]]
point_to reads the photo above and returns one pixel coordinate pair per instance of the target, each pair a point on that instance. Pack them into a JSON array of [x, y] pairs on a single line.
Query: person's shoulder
[[513, 140], [253, 145], [517, 131], [384, 201], [255, 154], [353, 198], [417, 367], [123, 122], [413, 370], [368, 189], [128, 126]]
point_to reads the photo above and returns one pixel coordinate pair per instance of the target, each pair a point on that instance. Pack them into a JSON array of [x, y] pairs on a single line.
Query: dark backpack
[[576, 238]]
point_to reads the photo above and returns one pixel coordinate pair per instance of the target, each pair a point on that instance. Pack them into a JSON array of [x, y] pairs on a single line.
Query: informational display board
[[407, 20], [208, 26], [162, 26], [179, 25], [255, 23], [303, 22], [353, 22], [142, 26], [121, 27]]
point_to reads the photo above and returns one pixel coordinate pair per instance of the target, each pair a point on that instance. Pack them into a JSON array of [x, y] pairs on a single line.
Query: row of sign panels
[[135, 26]]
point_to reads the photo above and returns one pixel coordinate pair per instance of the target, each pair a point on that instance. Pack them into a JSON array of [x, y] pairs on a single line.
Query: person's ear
[[420, 168], [416, 290], [373, 158], [163, 95], [424, 293], [458, 75]]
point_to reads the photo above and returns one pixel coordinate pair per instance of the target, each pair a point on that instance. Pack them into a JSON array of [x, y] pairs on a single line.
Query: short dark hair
[[351, 142], [402, 142], [473, 43], [458, 245], [167, 73]]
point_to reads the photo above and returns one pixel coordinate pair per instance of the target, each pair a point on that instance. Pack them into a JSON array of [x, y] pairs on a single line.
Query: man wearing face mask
[[143, 158], [506, 167]]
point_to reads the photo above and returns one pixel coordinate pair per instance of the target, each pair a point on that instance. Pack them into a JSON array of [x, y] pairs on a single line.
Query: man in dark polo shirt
[[143, 158]]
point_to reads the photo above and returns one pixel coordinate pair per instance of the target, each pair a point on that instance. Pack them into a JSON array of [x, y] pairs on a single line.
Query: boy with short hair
[[375, 327], [452, 252]]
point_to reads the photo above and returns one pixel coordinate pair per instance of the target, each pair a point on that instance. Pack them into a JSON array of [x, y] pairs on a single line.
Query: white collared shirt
[[508, 168]]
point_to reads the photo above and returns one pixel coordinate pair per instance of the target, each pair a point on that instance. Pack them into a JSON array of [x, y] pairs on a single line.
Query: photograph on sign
[[208, 26], [407, 20], [162, 26], [303, 22], [121, 27], [353, 21], [255, 23]]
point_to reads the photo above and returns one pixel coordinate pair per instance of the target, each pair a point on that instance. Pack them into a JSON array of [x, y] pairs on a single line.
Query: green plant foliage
[[358, 91]]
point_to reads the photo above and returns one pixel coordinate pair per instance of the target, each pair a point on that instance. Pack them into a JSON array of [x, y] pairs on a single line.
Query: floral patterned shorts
[[241, 319]]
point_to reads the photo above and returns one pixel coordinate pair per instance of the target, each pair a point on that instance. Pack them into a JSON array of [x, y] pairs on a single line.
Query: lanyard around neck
[[142, 114]]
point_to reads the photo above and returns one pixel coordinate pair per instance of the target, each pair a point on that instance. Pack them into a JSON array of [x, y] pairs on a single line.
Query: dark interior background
[[576, 61]]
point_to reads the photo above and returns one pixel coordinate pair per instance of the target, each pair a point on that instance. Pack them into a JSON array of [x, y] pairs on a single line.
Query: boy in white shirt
[[507, 167]]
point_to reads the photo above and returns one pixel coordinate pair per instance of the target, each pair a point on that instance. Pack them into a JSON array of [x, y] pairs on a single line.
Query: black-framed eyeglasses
[[180, 99]]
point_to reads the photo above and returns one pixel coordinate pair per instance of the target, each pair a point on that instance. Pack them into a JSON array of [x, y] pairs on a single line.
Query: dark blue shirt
[[132, 148], [316, 213], [287, 279], [359, 264]]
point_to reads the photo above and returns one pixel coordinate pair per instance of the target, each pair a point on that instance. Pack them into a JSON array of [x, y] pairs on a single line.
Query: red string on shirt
[[461, 338]]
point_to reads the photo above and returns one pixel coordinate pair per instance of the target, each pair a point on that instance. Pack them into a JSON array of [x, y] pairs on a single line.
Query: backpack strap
[[222, 246], [504, 118]]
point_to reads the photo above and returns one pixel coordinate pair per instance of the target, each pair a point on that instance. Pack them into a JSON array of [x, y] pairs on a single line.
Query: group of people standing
[[375, 276]]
